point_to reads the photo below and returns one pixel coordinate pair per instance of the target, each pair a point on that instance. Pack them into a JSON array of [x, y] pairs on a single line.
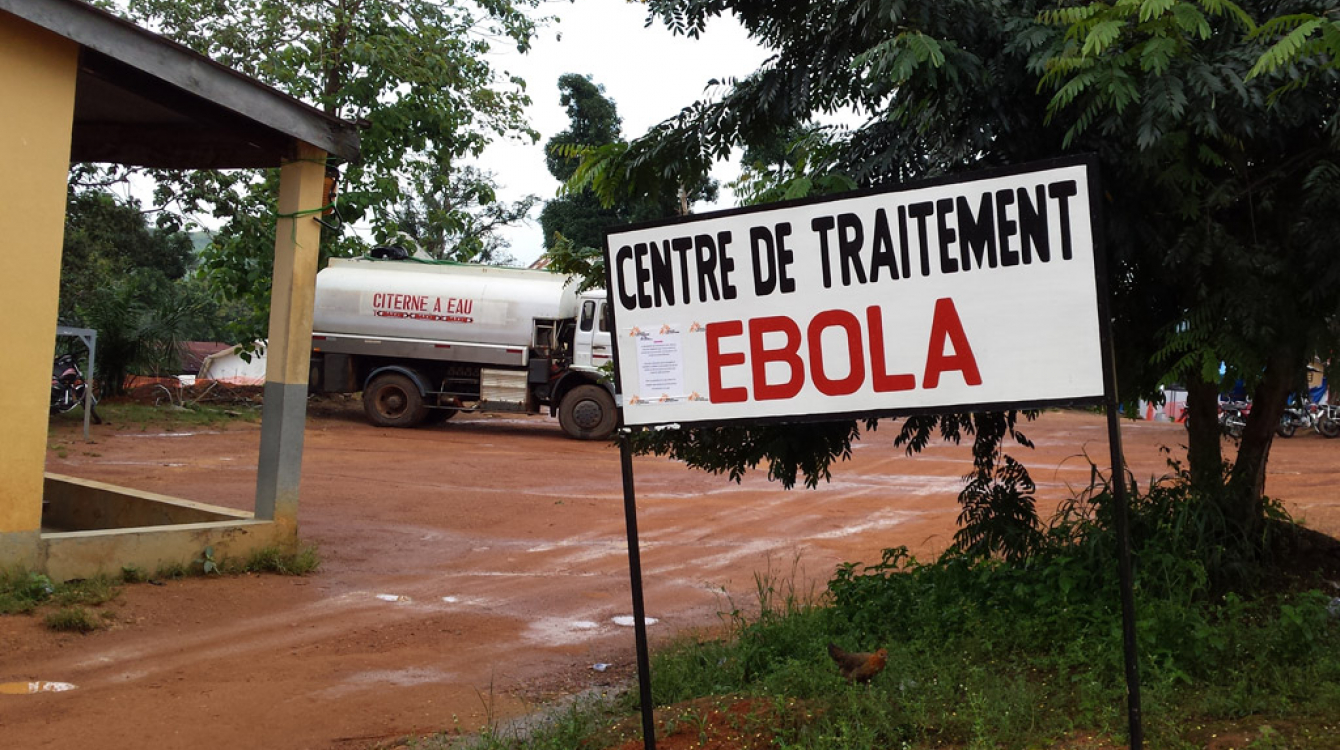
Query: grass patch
[[274, 560], [92, 592], [129, 415], [133, 574], [593, 723], [171, 571], [23, 591], [73, 620], [26, 592], [73, 606], [267, 560]]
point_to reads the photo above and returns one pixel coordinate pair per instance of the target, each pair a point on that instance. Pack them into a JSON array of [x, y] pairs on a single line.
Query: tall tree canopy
[[105, 239], [594, 126], [574, 222], [593, 121], [414, 73], [131, 282], [1220, 203]]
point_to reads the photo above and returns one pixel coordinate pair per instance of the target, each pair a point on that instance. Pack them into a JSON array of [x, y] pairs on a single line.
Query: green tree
[[574, 223], [130, 283], [782, 168], [414, 73], [1248, 206], [438, 225], [594, 121], [1219, 197], [104, 239]]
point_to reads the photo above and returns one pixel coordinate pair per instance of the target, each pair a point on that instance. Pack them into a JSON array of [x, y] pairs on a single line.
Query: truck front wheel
[[587, 413], [394, 400]]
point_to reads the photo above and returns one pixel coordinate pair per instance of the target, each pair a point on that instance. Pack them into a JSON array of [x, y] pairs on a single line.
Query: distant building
[[194, 353]]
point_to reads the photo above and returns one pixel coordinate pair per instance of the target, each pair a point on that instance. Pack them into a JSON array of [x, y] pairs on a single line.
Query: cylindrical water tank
[[466, 303]]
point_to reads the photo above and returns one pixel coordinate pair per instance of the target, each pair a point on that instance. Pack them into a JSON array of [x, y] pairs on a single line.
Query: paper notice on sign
[[660, 365]]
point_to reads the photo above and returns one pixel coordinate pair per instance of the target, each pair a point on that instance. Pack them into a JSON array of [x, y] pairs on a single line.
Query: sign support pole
[[1126, 577], [1124, 571], [635, 580]]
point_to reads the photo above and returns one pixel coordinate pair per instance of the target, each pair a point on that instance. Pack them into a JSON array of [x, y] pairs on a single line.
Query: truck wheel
[[587, 413], [393, 401]]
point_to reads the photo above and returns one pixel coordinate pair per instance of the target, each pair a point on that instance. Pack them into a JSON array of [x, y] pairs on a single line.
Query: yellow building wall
[[37, 80]]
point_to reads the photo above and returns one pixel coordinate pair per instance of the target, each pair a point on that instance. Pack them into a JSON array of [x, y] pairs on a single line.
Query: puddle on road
[[394, 598], [881, 521], [909, 484], [142, 463], [28, 688], [559, 631], [408, 677], [382, 679], [169, 434], [469, 601], [627, 621]]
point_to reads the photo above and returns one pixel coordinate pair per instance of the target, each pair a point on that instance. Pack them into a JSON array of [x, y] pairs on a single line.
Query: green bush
[[275, 560], [984, 652], [73, 619], [22, 591]]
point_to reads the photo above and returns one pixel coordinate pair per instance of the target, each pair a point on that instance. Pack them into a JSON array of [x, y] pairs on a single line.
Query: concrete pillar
[[37, 81], [288, 353]]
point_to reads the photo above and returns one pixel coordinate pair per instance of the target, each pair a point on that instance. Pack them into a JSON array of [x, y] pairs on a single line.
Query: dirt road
[[475, 570]]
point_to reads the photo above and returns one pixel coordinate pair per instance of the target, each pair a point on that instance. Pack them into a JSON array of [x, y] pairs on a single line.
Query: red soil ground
[[501, 547]]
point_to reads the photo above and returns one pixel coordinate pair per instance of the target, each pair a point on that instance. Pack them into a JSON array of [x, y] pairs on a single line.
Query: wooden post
[[288, 350]]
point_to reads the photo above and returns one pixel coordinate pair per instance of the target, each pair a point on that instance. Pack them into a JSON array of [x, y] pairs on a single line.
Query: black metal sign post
[[635, 578], [1126, 578]]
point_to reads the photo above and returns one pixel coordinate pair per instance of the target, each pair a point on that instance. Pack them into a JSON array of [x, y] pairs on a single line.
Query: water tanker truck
[[424, 341]]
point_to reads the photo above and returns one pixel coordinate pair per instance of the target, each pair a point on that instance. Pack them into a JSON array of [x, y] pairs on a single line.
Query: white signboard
[[974, 293]]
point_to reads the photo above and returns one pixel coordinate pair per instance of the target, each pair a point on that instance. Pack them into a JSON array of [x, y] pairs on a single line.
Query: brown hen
[[858, 667]]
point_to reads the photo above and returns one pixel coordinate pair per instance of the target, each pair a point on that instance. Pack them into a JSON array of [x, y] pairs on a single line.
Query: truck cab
[[583, 404], [591, 348]]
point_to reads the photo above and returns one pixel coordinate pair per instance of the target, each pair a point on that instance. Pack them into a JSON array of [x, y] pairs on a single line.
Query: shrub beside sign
[[975, 293]]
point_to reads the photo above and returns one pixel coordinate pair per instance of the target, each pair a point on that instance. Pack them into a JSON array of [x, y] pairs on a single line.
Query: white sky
[[648, 72]]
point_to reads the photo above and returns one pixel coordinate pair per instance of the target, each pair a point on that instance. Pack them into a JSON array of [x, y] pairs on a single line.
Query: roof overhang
[[143, 100]]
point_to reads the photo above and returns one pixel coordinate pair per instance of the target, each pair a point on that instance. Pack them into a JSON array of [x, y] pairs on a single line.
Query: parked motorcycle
[[1328, 420], [1295, 417], [1233, 417], [67, 384]]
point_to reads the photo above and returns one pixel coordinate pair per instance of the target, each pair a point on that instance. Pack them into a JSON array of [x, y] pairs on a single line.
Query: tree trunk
[[1205, 455], [337, 41], [1247, 483]]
